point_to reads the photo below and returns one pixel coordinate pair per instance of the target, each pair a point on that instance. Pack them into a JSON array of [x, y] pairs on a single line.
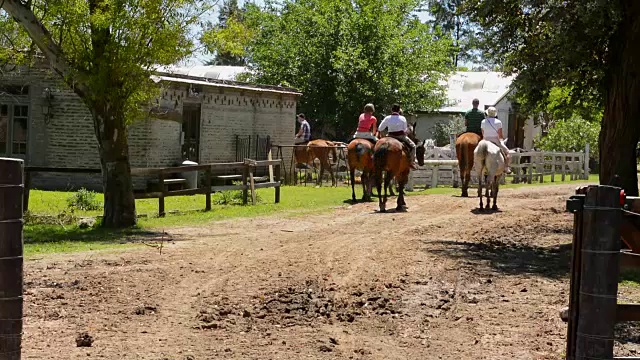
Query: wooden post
[[530, 170], [27, 187], [11, 261], [575, 205], [270, 157], [586, 161], [277, 175], [599, 273], [253, 185], [563, 163], [434, 176], [161, 197], [245, 191], [553, 167], [207, 193]]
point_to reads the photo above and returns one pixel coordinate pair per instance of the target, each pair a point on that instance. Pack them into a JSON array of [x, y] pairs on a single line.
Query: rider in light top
[[492, 131], [397, 128], [367, 124]]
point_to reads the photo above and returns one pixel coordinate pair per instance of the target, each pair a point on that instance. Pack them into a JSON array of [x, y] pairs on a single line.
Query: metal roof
[[242, 86], [206, 71], [488, 87]]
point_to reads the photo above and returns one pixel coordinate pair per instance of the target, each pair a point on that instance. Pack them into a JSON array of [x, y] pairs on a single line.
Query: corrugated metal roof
[[204, 82], [464, 86], [206, 71]]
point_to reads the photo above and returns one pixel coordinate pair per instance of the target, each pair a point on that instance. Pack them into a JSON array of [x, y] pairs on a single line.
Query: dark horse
[[390, 155], [466, 143]]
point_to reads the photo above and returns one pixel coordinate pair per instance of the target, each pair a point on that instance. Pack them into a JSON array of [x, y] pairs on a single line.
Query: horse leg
[[319, 179], [390, 187], [480, 191], [352, 173], [488, 185], [400, 203], [387, 180], [378, 179], [365, 185], [496, 186]]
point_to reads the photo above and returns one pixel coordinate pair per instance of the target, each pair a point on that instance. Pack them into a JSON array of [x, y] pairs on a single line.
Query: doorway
[[191, 132]]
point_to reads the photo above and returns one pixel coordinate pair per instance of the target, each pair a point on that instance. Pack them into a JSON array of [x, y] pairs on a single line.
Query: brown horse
[[318, 149], [391, 156], [466, 143], [360, 156]]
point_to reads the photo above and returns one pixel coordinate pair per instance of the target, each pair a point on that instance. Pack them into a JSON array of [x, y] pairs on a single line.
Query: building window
[[14, 121]]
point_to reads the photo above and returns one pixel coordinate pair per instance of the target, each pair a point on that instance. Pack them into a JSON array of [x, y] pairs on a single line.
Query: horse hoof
[[494, 207], [401, 209]]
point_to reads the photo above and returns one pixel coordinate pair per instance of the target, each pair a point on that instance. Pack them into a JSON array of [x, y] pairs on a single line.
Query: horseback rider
[[473, 118], [492, 131], [367, 125], [398, 128], [304, 134]]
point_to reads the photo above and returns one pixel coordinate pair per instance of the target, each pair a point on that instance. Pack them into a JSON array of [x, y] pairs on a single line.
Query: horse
[[318, 149], [390, 155], [466, 143], [360, 157], [489, 160]]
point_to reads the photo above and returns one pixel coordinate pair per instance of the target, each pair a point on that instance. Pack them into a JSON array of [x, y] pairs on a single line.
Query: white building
[[491, 89]]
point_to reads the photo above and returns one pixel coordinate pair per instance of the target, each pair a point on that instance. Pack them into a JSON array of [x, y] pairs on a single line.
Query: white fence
[[441, 167]]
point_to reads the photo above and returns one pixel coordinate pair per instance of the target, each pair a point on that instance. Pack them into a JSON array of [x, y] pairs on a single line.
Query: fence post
[[599, 273], [161, 197], [207, 193], [11, 199], [586, 161], [245, 186], [277, 178]]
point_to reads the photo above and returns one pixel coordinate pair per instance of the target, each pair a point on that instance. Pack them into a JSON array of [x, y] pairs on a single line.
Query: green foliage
[[571, 135], [343, 54], [84, 200], [229, 38], [448, 18], [442, 130], [231, 198], [550, 44]]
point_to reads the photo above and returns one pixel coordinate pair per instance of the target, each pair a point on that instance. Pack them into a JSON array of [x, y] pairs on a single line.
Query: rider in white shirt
[[492, 131], [396, 126]]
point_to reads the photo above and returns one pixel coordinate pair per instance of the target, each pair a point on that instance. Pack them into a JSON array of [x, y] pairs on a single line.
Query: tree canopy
[[586, 47], [343, 54], [105, 51], [228, 38]]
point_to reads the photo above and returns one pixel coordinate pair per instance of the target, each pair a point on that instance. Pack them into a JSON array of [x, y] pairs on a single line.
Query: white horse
[[489, 164]]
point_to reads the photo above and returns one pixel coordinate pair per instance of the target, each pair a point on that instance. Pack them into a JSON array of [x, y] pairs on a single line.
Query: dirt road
[[437, 282]]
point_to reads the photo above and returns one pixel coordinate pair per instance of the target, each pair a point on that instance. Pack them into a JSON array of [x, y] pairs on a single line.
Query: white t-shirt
[[490, 127], [393, 123]]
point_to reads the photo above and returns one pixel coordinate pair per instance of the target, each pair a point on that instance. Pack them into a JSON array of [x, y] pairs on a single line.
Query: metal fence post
[[11, 198]]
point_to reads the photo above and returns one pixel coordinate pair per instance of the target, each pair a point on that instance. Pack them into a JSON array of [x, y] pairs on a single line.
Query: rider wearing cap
[[367, 125], [492, 131], [397, 128]]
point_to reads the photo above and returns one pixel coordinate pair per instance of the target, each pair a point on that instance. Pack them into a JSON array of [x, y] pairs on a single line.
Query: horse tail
[[361, 150], [463, 157]]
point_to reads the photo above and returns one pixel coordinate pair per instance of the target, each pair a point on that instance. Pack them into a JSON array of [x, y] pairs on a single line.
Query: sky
[[201, 57]]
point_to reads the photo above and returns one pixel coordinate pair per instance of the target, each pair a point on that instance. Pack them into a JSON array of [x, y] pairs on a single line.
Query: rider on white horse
[[492, 131]]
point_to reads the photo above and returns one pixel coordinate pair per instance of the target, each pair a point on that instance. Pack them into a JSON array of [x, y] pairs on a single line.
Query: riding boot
[[412, 159]]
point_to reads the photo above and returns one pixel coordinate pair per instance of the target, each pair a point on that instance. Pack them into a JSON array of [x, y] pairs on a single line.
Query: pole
[[586, 161], [11, 198], [599, 273]]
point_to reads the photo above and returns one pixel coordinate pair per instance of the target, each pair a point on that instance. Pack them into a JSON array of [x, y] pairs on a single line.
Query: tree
[[343, 54], [448, 17], [105, 51], [228, 39], [586, 46]]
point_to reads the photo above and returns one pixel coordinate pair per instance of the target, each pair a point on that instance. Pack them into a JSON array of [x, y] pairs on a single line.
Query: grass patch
[[630, 278], [295, 201]]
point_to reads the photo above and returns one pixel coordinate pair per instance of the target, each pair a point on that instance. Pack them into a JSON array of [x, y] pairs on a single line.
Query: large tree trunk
[[621, 124], [111, 131]]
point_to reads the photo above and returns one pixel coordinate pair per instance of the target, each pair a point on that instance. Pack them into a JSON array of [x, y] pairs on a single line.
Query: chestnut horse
[[360, 157], [318, 149], [466, 143], [390, 155]]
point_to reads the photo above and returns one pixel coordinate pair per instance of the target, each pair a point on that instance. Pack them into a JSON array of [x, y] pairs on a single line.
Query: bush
[[442, 130], [84, 200], [231, 197], [571, 135]]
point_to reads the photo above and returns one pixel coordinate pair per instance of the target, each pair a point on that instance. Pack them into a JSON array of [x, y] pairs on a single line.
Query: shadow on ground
[[50, 234], [508, 258]]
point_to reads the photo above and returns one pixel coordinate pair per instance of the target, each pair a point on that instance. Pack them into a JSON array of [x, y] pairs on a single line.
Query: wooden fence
[[603, 217], [441, 167], [248, 182]]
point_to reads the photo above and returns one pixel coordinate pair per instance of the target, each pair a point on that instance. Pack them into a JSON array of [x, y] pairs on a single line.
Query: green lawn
[[52, 236]]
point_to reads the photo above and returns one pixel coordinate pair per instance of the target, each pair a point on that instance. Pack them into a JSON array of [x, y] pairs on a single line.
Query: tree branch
[[24, 16]]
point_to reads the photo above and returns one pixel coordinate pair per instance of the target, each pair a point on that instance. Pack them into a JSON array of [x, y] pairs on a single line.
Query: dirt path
[[442, 283]]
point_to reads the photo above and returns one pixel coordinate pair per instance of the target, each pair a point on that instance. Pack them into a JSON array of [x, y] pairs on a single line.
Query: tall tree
[[105, 51], [587, 46], [228, 38], [447, 16], [343, 54]]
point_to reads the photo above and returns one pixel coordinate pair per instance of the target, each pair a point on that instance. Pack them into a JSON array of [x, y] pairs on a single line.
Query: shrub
[[84, 200], [442, 130], [231, 197], [571, 135]]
